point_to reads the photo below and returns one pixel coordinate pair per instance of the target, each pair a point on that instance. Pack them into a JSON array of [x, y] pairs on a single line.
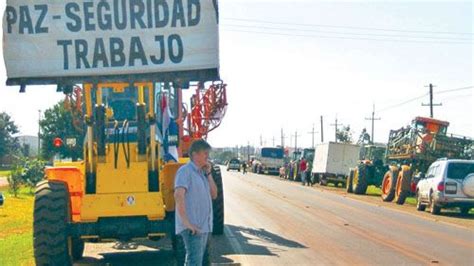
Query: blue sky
[[282, 81]]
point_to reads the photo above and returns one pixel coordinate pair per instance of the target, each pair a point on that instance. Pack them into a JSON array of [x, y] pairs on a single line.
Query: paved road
[[282, 223], [274, 222]]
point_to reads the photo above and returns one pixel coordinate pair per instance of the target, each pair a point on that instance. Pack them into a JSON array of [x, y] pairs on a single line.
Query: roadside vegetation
[[16, 214], [16, 234]]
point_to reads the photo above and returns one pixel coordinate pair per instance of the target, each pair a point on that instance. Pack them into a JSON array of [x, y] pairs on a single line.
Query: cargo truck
[[332, 162], [270, 160]]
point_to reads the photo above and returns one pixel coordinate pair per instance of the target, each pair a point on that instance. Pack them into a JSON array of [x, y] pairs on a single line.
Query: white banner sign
[[57, 39]]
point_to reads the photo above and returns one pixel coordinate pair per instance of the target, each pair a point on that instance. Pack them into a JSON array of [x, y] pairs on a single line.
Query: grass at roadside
[[16, 232], [4, 173], [376, 191]]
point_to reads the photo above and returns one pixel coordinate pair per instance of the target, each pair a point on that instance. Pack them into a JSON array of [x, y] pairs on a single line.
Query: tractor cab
[[425, 129], [430, 126]]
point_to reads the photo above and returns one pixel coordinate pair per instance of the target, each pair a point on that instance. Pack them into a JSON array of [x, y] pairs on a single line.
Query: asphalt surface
[[275, 222]]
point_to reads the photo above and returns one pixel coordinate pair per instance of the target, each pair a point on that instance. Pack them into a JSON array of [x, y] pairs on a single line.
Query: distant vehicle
[[447, 183], [233, 164], [292, 170], [332, 162], [270, 160]]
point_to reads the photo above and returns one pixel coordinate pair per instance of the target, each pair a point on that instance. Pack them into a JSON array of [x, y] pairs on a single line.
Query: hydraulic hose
[[116, 143], [125, 138]]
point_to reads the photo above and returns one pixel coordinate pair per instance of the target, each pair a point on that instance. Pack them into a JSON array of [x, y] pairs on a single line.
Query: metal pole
[[431, 100], [322, 130], [431, 104], [39, 134], [296, 140], [372, 138]]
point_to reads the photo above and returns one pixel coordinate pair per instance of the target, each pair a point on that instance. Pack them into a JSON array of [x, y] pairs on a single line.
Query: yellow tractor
[[124, 187]]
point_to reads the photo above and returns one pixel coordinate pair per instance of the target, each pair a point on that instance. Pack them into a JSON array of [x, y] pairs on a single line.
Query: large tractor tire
[[51, 242], [349, 181], [78, 246], [388, 184], [218, 203], [359, 181], [179, 249], [403, 185]]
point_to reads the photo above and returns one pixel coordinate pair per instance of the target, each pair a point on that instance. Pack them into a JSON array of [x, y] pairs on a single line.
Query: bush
[[25, 172], [15, 179]]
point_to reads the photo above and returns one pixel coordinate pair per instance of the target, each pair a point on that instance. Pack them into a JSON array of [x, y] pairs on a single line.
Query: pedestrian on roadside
[[309, 178], [244, 167], [302, 169], [194, 190]]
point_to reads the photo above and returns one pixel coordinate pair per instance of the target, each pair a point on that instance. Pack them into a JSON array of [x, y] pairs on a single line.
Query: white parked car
[[447, 183]]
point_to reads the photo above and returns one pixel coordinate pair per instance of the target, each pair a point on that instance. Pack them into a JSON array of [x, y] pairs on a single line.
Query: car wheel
[[419, 204], [349, 181], [434, 209], [465, 211]]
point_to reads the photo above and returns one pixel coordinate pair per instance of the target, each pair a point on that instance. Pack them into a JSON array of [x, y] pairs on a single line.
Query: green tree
[[8, 143], [344, 134], [58, 123], [33, 172]]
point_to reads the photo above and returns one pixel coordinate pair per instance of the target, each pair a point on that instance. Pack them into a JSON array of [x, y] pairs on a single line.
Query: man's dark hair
[[199, 145]]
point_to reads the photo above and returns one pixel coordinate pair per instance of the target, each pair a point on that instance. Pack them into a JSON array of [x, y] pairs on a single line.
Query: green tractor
[[368, 171]]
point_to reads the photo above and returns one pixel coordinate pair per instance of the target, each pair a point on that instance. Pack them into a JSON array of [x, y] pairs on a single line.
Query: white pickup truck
[[447, 184]]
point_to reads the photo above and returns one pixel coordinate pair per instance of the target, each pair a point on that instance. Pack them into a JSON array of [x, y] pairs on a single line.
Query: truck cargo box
[[335, 158]]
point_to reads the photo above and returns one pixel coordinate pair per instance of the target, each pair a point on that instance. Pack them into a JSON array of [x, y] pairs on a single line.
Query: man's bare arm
[[213, 187], [179, 199]]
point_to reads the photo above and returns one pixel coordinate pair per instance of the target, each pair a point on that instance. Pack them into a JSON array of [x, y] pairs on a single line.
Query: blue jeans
[[195, 247]]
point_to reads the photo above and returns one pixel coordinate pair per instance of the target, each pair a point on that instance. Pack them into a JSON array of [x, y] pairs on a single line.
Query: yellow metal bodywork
[[122, 205], [123, 179], [121, 191]]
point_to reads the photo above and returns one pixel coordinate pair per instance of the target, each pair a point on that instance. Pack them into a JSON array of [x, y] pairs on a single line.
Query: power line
[[345, 33], [344, 38], [347, 27], [457, 89], [402, 103], [421, 96]]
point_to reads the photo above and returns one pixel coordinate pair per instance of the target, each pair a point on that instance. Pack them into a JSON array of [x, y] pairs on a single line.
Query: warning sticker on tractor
[[50, 38]]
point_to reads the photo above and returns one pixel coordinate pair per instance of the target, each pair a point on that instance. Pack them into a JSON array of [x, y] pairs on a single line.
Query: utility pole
[[39, 134], [313, 133], [335, 125], [248, 151], [431, 104], [261, 141], [282, 139], [322, 130], [296, 140], [372, 138], [273, 140]]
